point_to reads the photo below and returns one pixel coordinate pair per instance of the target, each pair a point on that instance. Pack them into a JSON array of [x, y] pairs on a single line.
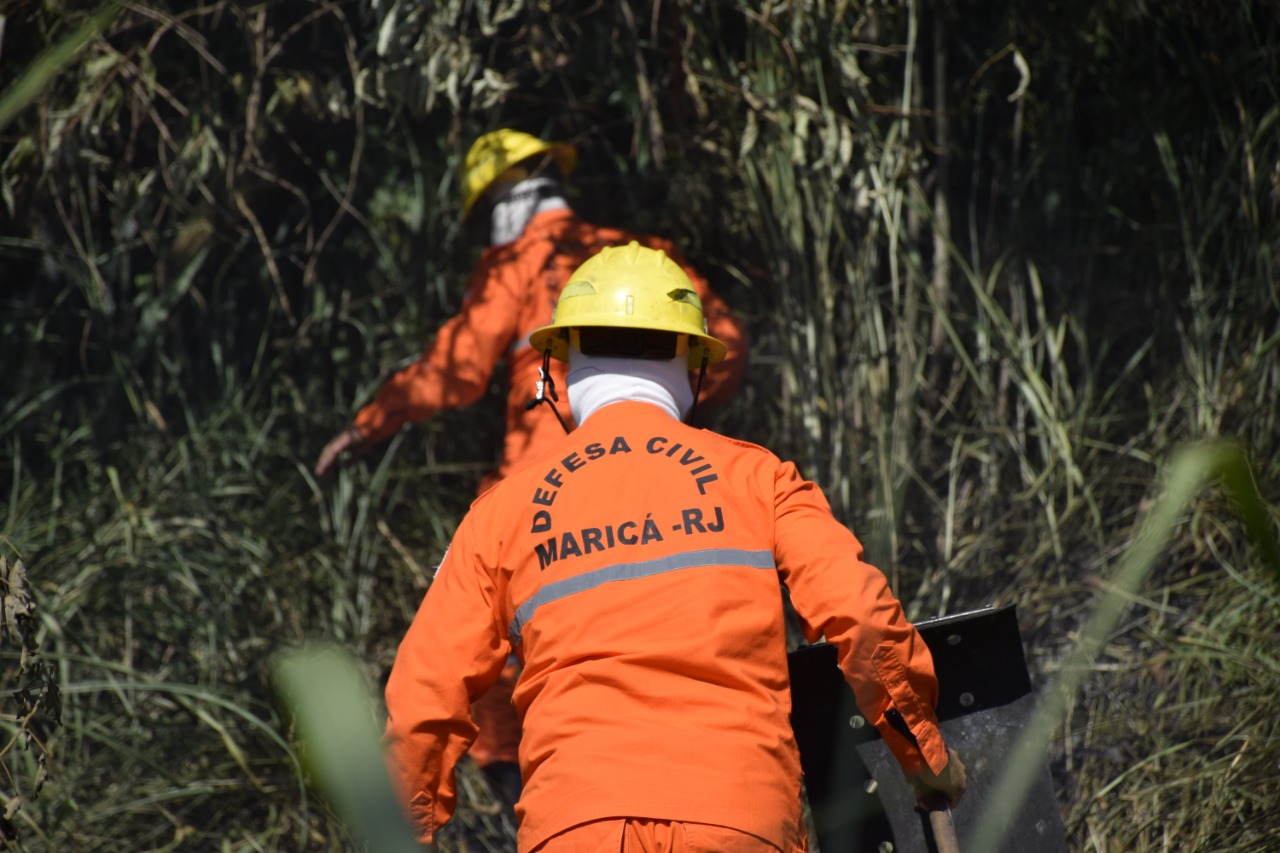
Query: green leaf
[[324, 689], [28, 86]]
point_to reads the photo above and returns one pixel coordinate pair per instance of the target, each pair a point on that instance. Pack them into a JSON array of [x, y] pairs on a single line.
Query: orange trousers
[[639, 835]]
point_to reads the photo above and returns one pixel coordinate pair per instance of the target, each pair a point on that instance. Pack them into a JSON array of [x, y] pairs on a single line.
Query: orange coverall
[[635, 570], [511, 293]]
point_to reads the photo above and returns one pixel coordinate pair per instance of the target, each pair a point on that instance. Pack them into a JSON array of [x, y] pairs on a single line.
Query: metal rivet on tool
[[857, 721], [966, 699], [953, 640]]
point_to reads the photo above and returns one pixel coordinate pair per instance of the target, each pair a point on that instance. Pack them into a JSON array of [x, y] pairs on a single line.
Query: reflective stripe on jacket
[[635, 571], [511, 293]]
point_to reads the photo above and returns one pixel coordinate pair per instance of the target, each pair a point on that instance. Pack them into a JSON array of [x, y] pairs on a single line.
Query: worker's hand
[[950, 784], [348, 439]]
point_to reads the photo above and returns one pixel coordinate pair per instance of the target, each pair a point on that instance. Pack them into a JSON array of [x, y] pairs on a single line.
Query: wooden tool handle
[[944, 831]]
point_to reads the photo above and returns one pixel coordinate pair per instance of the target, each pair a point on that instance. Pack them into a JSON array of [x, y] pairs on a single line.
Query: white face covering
[[518, 203], [597, 381]]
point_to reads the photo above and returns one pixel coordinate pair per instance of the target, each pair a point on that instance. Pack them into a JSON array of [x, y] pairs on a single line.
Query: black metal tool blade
[[859, 798]]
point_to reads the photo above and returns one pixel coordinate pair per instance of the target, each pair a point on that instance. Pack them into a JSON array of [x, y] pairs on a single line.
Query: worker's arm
[[452, 653], [453, 371], [848, 601]]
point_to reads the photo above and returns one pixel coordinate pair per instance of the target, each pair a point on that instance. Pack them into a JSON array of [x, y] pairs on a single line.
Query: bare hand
[[950, 784], [346, 440]]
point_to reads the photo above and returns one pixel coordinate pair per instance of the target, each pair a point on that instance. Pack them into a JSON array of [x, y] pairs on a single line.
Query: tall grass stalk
[[829, 216], [19, 93]]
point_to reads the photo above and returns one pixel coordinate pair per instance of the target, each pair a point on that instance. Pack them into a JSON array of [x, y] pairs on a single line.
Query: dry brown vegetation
[[997, 262]]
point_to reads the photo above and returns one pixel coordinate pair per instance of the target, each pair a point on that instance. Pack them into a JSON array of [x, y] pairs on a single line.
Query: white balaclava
[[596, 381], [518, 203]]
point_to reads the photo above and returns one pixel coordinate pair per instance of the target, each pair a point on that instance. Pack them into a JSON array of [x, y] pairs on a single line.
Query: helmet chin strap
[[697, 388], [546, 392], [546, 389]]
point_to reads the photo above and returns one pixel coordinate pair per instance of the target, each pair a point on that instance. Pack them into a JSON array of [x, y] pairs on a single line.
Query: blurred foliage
[[325, 690], [1188, 472], [995, 262]]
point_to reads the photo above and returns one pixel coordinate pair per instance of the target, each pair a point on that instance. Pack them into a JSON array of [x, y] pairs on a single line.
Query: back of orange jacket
[[512, 292], [635, 571]]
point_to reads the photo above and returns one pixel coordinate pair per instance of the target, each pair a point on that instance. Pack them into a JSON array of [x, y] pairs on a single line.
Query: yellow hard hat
[[499, 150], [629, 287]]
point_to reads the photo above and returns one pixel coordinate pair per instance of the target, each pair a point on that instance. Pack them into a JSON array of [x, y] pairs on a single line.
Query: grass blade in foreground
[[28, 86], [325, 691], [1190, 469]]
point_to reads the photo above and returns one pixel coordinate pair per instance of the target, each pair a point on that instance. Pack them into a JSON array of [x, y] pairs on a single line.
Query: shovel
[[857, 794]]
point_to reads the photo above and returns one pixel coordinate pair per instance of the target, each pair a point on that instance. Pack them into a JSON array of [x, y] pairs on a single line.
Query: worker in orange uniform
[[536, 242], [635, 570]]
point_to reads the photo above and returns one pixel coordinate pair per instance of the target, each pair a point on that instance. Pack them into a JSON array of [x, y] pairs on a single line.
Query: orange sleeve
[[848, 601], [455, 369], [452, 653]]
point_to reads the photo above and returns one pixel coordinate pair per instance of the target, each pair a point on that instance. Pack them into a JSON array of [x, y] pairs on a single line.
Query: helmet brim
[[563, 154], [556, 339]]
